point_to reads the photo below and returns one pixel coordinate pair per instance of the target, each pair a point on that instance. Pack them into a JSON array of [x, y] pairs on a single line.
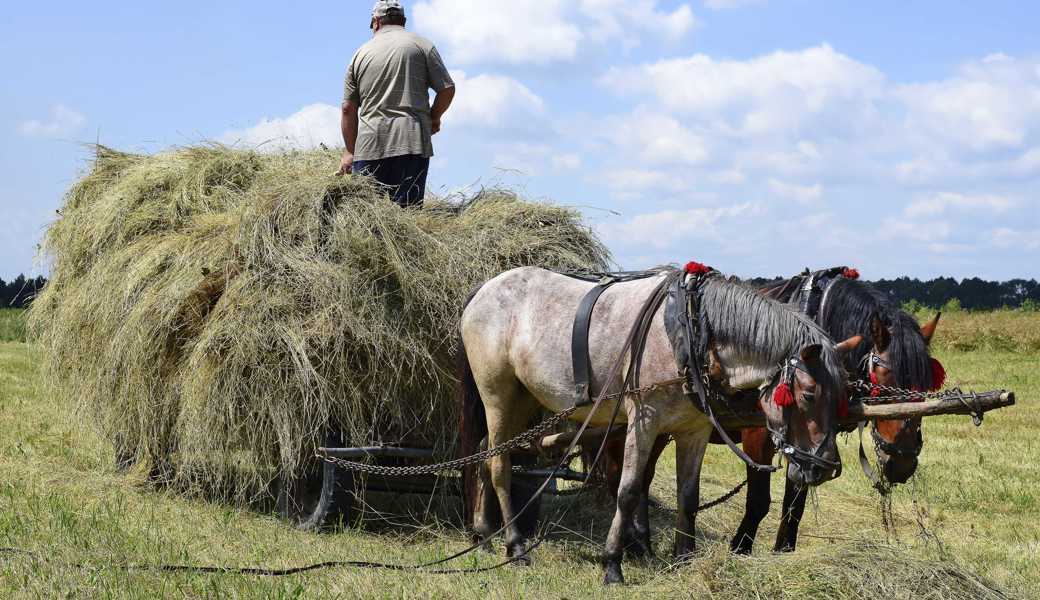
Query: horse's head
[[890, 364], [801, 408]]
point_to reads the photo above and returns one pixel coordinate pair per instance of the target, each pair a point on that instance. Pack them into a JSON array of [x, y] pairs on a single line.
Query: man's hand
[[441, 102], [346, 164]]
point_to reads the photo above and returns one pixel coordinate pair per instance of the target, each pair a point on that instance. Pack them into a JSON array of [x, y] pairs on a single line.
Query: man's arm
[[348, 124], [441, 102]]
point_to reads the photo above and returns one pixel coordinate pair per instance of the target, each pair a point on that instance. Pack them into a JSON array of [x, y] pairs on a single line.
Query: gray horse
[[516, 331]]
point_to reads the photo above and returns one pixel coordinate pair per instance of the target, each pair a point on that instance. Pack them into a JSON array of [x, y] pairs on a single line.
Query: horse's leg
[[486, 515], [642, 431], [759, 447], [641, 543], [689, 456], [794, 507], [508, 412]]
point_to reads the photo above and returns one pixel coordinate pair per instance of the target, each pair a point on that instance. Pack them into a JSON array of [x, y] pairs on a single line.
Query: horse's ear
[[881, 335], [928, 329], [811, 354], [848, 345]]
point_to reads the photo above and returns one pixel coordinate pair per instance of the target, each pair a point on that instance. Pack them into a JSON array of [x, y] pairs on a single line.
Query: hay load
[[212, 310]]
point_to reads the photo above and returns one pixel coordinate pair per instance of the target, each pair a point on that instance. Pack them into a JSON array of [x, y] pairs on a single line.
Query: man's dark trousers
[[404, 175]]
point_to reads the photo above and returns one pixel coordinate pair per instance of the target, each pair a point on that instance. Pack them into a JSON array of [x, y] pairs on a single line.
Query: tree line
[[972, 293], [20, 292]]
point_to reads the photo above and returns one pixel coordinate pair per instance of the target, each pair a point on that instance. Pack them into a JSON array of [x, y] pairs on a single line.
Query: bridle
[[873, 361], [806, 461]]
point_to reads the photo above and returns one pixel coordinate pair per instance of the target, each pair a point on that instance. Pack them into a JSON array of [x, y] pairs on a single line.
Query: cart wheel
[[319, 499]]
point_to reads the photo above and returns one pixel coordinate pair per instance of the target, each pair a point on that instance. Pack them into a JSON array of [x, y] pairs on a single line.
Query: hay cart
[[327, 495]]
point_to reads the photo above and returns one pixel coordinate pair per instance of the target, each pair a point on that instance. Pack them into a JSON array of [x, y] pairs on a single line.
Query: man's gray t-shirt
[[389, 79]]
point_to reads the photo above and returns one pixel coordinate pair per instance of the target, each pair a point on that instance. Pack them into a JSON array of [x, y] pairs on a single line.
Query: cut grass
[[967, 526]]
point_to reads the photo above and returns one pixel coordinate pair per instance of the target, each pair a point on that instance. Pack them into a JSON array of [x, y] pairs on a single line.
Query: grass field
[[967, 526], [12, 325]]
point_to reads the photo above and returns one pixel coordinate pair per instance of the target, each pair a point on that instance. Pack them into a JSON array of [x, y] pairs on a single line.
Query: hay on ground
[[213, 309]]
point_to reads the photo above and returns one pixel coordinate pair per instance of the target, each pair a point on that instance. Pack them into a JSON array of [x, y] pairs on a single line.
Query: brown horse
[[516, 331], [894, 355]]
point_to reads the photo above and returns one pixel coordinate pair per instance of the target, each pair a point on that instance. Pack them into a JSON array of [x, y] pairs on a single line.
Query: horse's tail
[[472, 430], [472, 423]]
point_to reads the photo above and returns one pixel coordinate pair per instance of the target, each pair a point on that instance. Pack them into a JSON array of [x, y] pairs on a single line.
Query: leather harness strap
[[581, 362]]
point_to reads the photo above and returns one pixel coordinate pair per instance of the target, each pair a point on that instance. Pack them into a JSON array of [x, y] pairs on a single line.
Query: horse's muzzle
[[812, 469], [898, 469]]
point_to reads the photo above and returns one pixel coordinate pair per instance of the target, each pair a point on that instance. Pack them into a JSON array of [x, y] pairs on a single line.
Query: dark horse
[[895, 354]]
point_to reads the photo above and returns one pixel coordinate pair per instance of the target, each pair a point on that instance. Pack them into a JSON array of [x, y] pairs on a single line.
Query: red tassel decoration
[[850, 274], [875, 391], [696, 268], [783, 396], [938, 376]]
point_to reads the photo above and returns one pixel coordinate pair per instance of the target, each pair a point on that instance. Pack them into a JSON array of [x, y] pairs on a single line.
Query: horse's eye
[[809, 396]]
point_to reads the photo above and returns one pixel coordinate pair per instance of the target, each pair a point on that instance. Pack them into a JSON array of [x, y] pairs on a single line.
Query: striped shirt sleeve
[[436, 72]]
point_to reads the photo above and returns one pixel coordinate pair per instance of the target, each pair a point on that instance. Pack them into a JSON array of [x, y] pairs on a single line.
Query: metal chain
[[896, 394], [523, 439]]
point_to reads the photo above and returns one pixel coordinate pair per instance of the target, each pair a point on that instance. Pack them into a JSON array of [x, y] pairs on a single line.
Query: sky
[[758, 136]]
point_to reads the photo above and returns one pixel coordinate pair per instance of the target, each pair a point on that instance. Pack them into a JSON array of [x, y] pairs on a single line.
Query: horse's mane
[[769, 330], [850, 309]]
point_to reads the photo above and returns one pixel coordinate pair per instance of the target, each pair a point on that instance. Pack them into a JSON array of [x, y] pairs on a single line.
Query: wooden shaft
[[982, 402]]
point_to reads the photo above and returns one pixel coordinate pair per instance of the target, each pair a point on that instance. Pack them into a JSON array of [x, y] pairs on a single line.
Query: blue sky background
[[760, 136]]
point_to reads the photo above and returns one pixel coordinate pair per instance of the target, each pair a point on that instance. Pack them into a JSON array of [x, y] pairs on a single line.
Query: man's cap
[[383, 8]]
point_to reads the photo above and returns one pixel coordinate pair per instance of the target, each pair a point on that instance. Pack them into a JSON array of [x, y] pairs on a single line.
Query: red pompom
[[783, 396], [850, 274], [696, 268], [843, 407], [938, 376], [875, 391]]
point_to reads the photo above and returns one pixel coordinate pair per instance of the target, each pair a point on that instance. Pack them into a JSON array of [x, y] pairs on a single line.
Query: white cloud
[[63, 121], [772, 93], [991, 104], [543, 31], [618, 19], [491, 101], [656, 138], [804, 194], [662, 229], [942, 202], [307, 128], [516, 32]]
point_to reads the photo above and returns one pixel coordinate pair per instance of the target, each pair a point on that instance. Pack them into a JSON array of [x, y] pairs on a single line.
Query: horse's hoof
[[612, 575], [519, 553]]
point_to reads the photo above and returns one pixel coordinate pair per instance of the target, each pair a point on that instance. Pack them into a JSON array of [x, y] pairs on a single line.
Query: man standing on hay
[[387, 119]]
